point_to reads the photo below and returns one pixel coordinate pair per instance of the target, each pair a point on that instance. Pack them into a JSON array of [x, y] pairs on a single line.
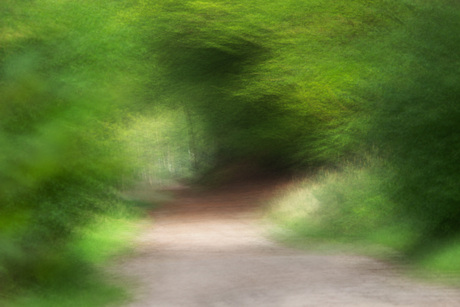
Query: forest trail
[[207, 248]]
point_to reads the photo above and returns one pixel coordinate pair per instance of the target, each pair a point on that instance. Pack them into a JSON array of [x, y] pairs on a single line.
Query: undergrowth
[[79, 275], [349, 210]]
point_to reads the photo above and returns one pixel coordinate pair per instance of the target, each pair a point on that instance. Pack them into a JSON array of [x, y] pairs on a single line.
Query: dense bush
[[416, 122], [65, 73]]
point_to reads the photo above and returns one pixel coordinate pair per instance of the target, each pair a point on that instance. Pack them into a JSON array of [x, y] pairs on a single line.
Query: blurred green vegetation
[[74, 277], [277, 82], [307, 84], [98, 96], [67, 84]]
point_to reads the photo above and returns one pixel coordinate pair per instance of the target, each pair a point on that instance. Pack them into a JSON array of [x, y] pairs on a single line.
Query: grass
[[441, 264], [95, 293], [106, 238]]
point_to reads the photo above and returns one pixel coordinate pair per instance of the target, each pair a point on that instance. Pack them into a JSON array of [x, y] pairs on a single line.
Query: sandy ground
[[208, 249]]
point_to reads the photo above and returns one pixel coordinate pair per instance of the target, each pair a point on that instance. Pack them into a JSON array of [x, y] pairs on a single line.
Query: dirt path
[[207, 249]]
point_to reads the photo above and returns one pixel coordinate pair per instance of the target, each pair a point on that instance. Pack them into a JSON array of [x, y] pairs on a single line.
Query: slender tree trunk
[[191, 137]]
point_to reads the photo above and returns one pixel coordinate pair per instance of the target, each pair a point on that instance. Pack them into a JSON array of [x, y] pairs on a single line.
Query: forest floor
[[209, 248]]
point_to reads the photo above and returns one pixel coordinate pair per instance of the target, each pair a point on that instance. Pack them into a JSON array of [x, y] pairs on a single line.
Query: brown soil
[[207, 248]]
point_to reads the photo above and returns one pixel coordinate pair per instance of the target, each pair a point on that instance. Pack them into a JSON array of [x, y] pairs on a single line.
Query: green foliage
[[443, 260], [276, 82], [69, 277], [65, 79], [348, 207], [352, 203], [342, 204], [161, 146], [415, 123], [354, 77]]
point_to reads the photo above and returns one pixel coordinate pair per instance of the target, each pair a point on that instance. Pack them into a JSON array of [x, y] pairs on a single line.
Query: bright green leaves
[[67, 73]]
